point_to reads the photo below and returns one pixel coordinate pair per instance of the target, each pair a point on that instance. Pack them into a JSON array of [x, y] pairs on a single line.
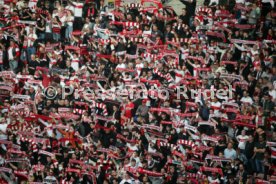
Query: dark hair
[[58, 19]]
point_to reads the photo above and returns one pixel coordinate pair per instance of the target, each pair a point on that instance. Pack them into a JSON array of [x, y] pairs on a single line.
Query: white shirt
[[213, 2], [10, 52], [133, 148], [75, 64], [78, 9], [146, 33], [178, 74], [69, 7], [124, 181], [3, 128], [86, 26], [151, 149], [247, 100], [216, 104], [211, 180], [62, 20], [69, 20], [122, 65], [31, 36], [185, 53], [32, 5], [138, 162], [20, 4], [50, 180], [240, 1], [139, 68], [242, 141], [195, 66]]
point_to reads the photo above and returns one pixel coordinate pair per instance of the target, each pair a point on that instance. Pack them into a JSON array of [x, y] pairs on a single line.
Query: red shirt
[[46, 80], [128, 109], [2, 181]]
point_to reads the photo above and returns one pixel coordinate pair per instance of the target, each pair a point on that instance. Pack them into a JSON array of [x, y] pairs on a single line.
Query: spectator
[[229, 152]]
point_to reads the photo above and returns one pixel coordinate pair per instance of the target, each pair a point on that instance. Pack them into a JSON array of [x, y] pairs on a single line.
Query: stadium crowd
[[90, 92]]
